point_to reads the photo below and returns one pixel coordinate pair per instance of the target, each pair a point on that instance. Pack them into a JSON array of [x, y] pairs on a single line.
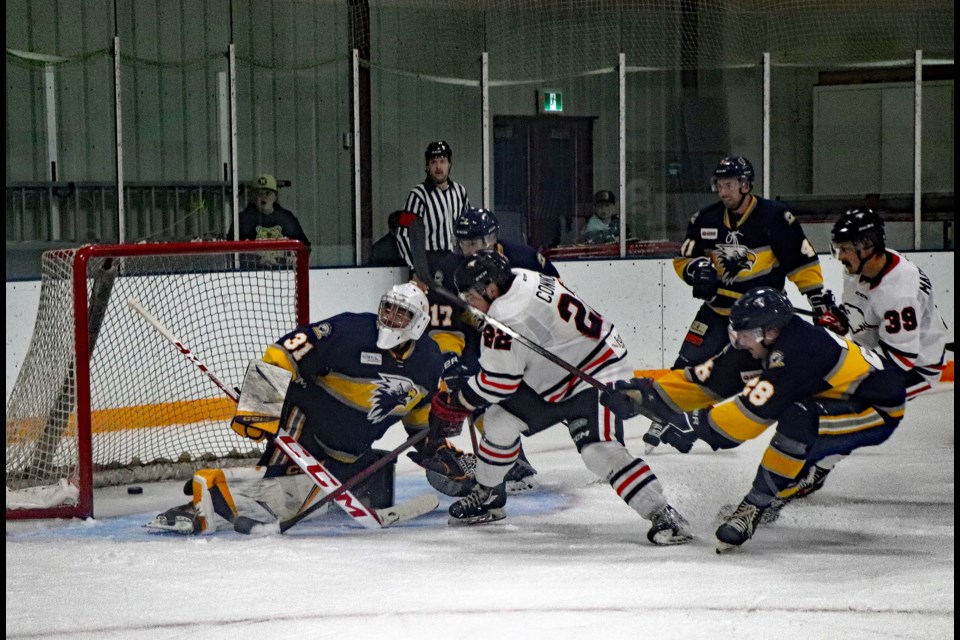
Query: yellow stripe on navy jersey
[[808, 278], [763, 248], [680, 395], [805, 361], [449, 341], [734, 422], [280, 357]]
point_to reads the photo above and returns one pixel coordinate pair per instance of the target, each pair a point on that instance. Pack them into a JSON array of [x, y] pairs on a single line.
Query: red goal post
[[101, 400]]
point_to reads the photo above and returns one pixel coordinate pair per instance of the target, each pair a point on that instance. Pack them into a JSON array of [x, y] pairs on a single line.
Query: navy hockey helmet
[[734, 167], [475, 223], [857, 225], [438, 149], [761, 308], [482, 268]]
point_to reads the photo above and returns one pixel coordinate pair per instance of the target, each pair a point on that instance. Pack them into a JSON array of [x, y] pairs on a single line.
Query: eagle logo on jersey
[[734, 258], [391, 392]]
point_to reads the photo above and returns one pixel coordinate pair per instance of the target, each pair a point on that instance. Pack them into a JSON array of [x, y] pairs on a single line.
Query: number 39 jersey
[[895, 313], [544, 311]]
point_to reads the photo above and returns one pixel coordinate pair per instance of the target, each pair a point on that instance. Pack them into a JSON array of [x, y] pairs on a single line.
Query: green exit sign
[[551, 101]]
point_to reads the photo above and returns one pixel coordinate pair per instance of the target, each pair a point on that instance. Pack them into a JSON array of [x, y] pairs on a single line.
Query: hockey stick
[[354, 481], [419, 255], [326, 482]]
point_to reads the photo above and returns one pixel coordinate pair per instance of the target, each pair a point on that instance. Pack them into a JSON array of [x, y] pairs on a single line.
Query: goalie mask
[[403, 315]]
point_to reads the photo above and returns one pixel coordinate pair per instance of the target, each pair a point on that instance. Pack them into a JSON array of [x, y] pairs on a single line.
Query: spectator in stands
[[385, 252], [264, 218], [603, 226]]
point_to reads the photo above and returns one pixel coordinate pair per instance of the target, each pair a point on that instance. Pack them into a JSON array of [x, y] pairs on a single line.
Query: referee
[[439, 201]]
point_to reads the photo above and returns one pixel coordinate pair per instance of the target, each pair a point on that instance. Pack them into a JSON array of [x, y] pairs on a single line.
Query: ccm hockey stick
[[388, 516], [326, 482], [420, 266]]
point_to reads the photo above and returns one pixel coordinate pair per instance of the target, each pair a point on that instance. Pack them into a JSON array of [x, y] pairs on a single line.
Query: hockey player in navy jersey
[[522, 393], [351, 377], [738, 243], [801, 377]]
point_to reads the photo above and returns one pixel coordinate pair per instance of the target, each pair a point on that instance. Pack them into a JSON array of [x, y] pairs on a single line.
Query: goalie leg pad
[[213, 500], [377, 491]]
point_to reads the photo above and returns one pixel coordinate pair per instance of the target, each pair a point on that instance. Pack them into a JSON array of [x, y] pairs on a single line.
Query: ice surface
[[870, 556]]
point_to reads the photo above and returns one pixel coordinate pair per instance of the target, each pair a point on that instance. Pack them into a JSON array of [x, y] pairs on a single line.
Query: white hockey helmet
[[403, 315]]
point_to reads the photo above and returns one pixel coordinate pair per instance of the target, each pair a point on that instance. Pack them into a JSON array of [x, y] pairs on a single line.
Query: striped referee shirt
[[439, 209]]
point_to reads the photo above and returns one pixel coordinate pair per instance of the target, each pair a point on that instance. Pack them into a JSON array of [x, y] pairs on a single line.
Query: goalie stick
[[326, 483], [418, 252], [354, 481]]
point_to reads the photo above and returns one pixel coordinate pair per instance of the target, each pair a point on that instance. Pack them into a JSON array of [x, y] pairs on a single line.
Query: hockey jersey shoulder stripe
[[891, 264]]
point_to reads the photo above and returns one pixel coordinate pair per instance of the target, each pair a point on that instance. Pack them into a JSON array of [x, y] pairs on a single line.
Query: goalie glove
[[827, 314], [701, 275], [447, 415]]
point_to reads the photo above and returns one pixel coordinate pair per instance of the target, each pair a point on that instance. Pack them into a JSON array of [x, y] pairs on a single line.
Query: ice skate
[[482, 505], [668, 527], [739, 527], [182, 519]]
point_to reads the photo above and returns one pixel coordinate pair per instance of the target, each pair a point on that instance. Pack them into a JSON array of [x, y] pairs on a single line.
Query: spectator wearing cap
[[264, 218], [385, 252], [438, 200], [603, 226]]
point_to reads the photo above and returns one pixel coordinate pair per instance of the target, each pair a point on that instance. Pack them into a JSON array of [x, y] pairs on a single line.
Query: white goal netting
[[145, 410]]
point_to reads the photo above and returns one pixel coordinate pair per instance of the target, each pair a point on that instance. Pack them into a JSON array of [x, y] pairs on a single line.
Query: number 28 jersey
[[545, 312]]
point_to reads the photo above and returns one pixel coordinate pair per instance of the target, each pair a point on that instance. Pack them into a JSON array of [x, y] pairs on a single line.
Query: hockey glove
[[681, 432], [703, 277], [447, 415], [445, 460], [630, 398], [827, 314]]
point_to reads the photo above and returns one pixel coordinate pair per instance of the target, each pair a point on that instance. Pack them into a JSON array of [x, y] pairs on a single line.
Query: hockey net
[[102, 399]]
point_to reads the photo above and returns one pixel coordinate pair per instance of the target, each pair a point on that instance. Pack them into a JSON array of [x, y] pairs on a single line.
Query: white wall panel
[[650, 305]]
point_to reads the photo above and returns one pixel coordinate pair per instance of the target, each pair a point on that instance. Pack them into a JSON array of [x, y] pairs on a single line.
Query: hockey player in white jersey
[[889, 301], [889, 308], [524, 393]]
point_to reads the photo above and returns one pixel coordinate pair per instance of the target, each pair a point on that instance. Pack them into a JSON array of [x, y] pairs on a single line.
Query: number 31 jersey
[[545, 312]]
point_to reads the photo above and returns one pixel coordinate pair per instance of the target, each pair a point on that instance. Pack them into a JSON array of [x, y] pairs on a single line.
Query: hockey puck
[[134, 491]]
